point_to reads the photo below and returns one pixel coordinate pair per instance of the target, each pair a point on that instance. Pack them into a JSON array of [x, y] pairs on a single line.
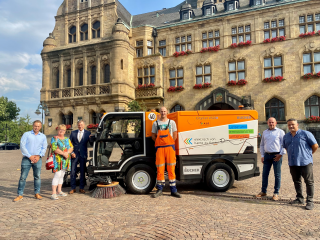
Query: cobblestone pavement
[[200, 214]]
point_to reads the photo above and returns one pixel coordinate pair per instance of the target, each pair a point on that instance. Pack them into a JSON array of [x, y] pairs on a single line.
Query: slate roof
[[171, 15]]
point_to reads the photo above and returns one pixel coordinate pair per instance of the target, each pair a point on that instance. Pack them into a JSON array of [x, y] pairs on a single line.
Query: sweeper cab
[[212, 147]]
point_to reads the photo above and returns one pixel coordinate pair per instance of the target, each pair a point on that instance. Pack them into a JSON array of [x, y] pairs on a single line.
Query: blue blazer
[[80, 148]]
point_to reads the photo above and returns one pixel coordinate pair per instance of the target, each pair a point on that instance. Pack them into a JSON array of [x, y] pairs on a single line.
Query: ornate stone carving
[[55, 65], [92, 60], [105, 58], [67, 63], [79, 62]]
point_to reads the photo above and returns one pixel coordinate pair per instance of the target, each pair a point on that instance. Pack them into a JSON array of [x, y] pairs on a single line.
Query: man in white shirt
[[271, 150]]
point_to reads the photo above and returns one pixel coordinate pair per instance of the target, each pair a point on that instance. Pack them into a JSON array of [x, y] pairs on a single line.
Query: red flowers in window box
[[175, 89], [93, 126], [275, 39], [210, 49], [144, 86], [308, 34], [311, 75], [200, 86], [273, 79], [312, 119], [241, 44], [182, 53], [234, 83]]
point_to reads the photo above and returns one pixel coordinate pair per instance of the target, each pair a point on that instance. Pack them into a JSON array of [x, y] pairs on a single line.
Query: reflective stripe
[[160, 165], [163, 136], [161, 181], [172, 181], [171, 164], [174, 148], [172, 184]]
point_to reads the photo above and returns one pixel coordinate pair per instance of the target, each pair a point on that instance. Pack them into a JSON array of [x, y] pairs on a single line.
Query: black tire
[[143, 174], [219, 177]]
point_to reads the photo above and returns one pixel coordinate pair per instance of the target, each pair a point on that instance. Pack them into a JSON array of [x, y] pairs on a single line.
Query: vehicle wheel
[[220, 177], [140, 179]]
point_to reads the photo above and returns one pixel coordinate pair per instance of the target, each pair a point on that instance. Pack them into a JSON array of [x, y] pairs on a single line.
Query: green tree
[[15, 129], [135, 106], [8, 110]]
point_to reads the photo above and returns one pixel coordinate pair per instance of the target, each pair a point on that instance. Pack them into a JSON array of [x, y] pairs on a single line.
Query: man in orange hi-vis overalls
[[164, 133]]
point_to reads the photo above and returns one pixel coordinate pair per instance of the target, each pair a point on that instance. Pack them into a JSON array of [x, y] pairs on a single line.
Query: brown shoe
[[72, 191], [82, 191], [37, 196], [261, 194], [275, 197], [18, 199]]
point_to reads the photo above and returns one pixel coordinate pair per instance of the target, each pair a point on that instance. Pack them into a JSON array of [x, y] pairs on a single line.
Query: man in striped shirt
[[271, 150]]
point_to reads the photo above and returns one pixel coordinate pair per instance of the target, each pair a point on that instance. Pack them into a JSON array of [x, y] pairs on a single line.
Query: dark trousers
[[73, 175], [267, 164], [307, 173]]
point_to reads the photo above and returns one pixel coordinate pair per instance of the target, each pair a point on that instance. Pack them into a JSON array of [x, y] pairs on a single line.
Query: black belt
[[273, 153]]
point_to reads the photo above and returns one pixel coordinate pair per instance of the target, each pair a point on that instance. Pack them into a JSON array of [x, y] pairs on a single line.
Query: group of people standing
[[299, 145], [67, 153]]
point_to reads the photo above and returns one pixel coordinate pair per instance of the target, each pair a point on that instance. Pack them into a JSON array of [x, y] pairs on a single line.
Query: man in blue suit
[[79, 139]]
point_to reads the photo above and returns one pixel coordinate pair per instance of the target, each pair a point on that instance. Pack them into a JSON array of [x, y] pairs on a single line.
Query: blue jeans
[[268, 162], [25, 168]]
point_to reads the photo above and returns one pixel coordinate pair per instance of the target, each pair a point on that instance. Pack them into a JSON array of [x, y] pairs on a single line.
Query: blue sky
[[24, 26]]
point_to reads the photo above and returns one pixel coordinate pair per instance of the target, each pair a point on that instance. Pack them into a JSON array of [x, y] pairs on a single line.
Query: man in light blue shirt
[[271, 155], [300, 146], [33, 146]]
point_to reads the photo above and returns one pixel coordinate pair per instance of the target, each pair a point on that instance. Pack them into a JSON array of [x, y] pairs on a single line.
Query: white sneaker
[[54, 197], [62, 194]]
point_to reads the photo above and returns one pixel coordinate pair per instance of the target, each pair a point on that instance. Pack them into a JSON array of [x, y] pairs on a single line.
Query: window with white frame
[[312, 106], [203, 74], [176, 77], [210, 39], [146, 75], [183, 43], [273, 66], [274, 28], [237, 70], [311, 62], [309, 23], [241, 34], [162, 47], [139, 48]]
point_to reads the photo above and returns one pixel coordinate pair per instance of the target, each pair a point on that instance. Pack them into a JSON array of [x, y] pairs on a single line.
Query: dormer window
[[208, 11], [186, 12], [208, 7], [257, 2], [232, 5]]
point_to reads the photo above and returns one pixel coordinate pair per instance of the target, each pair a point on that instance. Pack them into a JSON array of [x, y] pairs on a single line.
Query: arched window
[[275, 108], [176, 108], [80, 76], [96, 30], [312, 106], [84, 32], [93, 75], [107, 73], [72, 34], [57, 79]]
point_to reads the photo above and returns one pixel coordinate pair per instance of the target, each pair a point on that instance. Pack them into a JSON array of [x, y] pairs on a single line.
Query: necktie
[[80, 136]]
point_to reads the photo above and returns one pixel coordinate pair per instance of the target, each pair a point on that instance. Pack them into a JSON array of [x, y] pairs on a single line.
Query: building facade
[[196, 55]]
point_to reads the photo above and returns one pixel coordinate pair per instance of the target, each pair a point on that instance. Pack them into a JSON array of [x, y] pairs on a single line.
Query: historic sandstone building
[[98, 54]]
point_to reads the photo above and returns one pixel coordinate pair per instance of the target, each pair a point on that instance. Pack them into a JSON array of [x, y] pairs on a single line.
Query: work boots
[[157, 194], [175, 194]]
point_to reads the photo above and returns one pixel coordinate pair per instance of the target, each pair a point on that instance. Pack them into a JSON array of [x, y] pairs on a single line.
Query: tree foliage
[[8, 110], [14, 129], [135, 106]]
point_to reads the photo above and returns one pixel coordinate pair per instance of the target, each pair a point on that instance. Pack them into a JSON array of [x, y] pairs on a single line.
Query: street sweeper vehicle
[[212, 147]]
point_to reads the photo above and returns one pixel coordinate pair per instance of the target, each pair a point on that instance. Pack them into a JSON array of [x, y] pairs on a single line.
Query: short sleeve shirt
[[163, 125], [299, 147]]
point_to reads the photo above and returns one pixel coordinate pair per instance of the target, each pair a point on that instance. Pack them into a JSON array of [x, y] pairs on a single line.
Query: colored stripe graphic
[[188, 141], [243, 131], [239, 136], [242, 126]]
